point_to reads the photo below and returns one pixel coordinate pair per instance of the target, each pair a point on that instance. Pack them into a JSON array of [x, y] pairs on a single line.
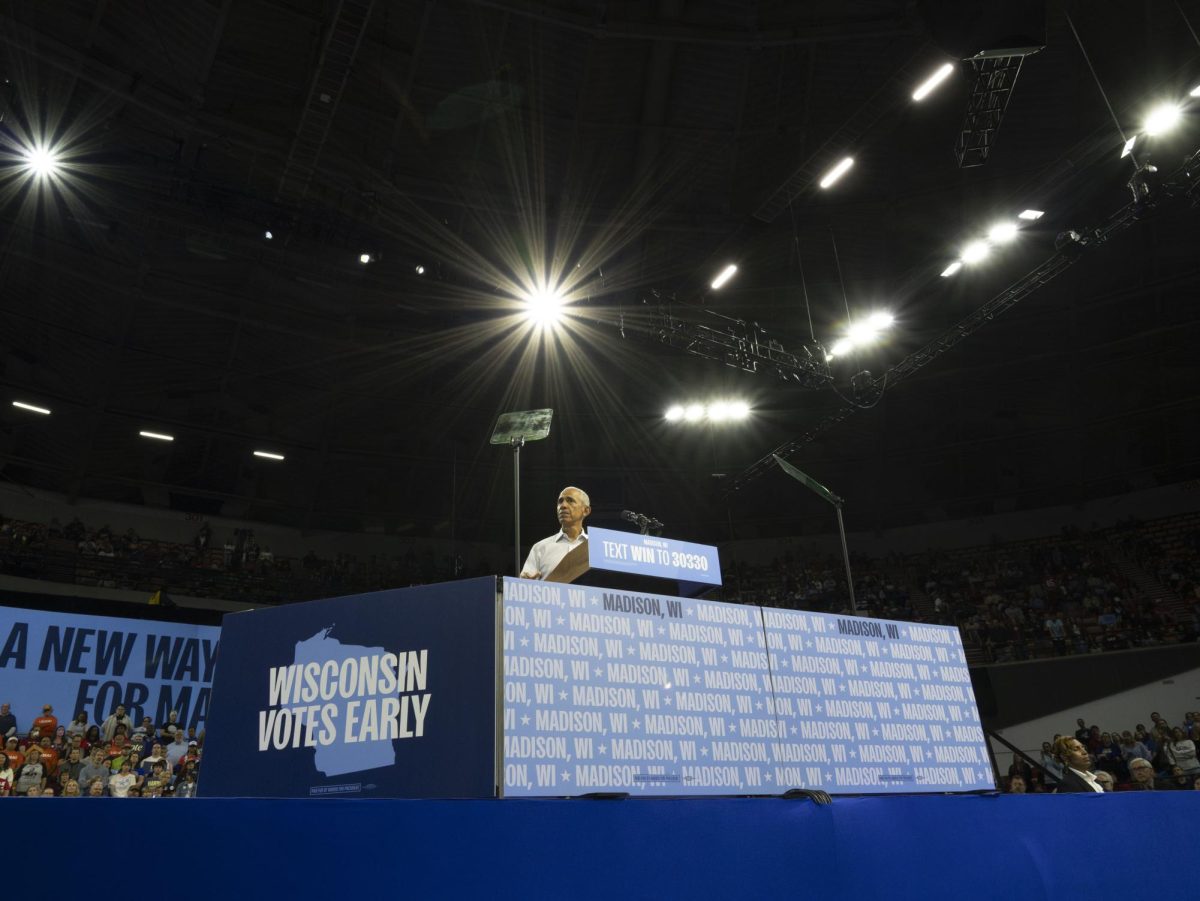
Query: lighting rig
[[1069, 248], [733, 342]]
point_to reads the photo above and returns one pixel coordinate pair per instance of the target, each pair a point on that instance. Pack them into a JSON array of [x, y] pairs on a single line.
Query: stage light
[[718, 411], [1031, 215], [1127, 147], [267, 455], [1163, 118], [267, 234], [951, 269], [675, 413], [880, 321], [975, 251], [694, 412], [420, 270], [365, 258], [840, 347], [1002, 232], [41, 161], [157, 436], [21, 405], [738, 410], [836, 172], [932, 82], [726, 274], [543, 307], [1194, 92]]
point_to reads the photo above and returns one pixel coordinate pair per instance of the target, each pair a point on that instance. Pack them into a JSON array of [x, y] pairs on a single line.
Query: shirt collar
[[1088, 777], [562, 536]]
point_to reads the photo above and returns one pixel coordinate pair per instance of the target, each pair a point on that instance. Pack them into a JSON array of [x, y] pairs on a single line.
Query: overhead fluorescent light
[[932, 82], [836, 172], [30, 407], [267, 455], [1031, 215], [157, 436], [725, 275], [951, 269]]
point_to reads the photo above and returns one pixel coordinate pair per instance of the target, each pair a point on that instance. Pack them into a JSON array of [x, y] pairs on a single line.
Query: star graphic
[[691, 611], [525, 721], [808, 643], [783, 663], [818, 708], [595, 602], [733, 728], [632, 650], [596, 671], [853, 753], [758, 705], [661, 630], [875, 732], [667, 700], [841, 686], [603, 750], [562, 695], [565, 776], [904, 632], [917, 691], [724, 658], [828, 776], [767, 777], [637, 724], [561, 620], [886, 649], [704, 752], [524, 642], [793, 730]]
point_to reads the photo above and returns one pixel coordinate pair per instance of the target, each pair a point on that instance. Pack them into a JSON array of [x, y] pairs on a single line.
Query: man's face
[[3, 709], [120, 710], [74, 756], [97, 756], [1016, 785], [1105, 780], [571, 508], [1142, 772], [1076, 754], [1079, 723]]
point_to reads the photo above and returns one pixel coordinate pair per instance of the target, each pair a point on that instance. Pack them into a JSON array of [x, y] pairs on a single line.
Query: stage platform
[[966, 847]]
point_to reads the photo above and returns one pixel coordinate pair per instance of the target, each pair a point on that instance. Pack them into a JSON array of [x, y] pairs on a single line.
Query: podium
[[627, 560]]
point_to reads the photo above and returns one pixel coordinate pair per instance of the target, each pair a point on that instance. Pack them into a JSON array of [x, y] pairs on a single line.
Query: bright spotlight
[[1030, 215], [718, 411], [726, 274], [267, 234], [881, 320], [543, 307], [1002, 232], [420, 270], [365, 258], [738, 410], [975, 251], [951, 269], [157, 436], [932, 82], [1194, 92], [268, 455], [694, 412], [841, 347], [41, 161], [1163, 118], [675, 413], [836, 172], [21, 405]]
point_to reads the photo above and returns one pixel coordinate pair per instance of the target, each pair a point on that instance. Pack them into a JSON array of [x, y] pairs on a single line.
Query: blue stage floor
[[971, 847]]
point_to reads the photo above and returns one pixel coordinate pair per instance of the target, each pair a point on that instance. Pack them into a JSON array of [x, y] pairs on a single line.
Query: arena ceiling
[[629, 150]]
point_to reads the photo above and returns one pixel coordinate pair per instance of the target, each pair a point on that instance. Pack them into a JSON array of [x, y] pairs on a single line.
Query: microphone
[[629, 516]]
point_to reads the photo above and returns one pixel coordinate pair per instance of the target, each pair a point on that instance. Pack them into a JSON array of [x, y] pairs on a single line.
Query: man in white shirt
[[573, 508]]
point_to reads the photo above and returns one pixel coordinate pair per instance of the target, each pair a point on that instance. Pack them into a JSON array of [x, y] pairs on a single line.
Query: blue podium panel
[[389, 695], [616, 691], [90, 664], [650, 555]]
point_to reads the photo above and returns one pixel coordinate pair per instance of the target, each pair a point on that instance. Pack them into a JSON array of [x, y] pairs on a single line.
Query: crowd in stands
[[117, 758], [1068, 594], [232, 567], [1159, 758]]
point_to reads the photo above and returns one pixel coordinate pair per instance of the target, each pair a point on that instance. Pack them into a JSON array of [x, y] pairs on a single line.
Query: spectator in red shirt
[[15, 757], [47, 723]]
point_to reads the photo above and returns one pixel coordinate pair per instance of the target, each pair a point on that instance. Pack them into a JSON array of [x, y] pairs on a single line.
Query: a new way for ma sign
[[385, 695]]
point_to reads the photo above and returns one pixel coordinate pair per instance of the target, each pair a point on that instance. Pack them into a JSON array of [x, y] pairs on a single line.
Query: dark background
[[628, 145]]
